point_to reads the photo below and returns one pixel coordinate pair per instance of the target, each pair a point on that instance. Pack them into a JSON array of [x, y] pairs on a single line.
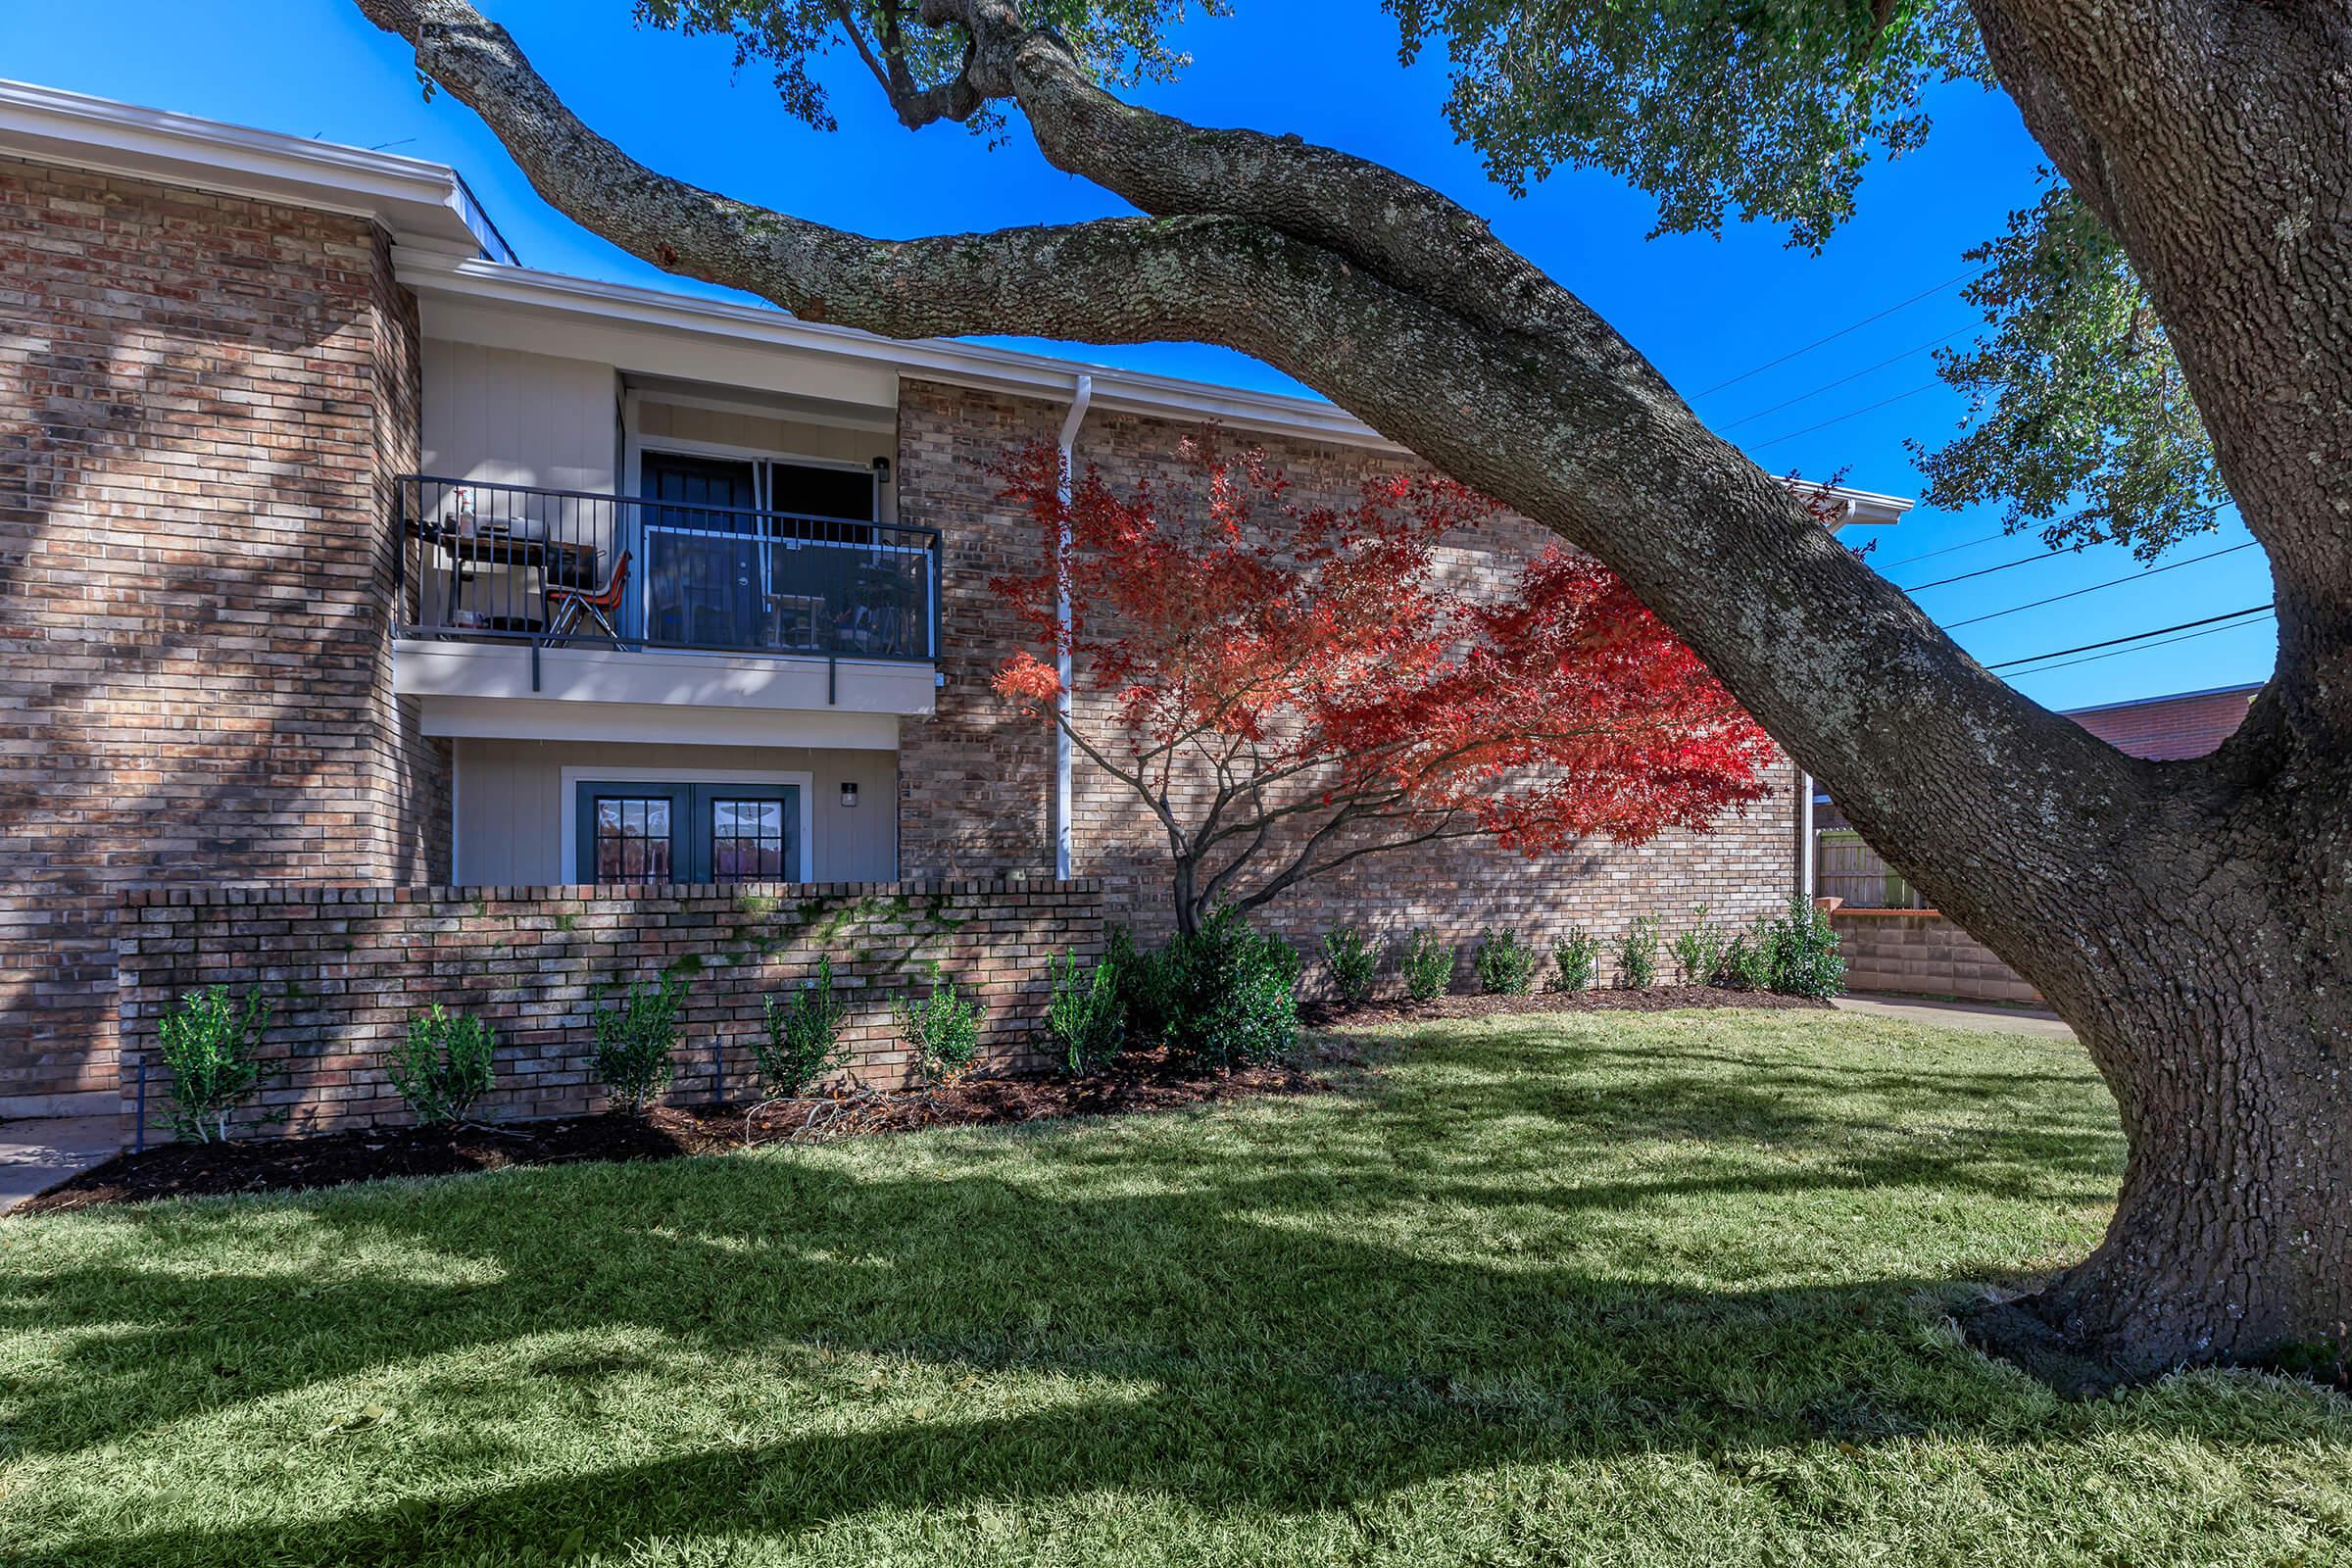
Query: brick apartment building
[[301, 474]]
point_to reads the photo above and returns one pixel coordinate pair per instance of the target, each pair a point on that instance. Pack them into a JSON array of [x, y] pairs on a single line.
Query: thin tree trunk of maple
[[2189, 919]]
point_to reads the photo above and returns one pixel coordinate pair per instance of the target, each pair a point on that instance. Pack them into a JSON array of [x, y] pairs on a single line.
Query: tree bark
[[2189, 919]]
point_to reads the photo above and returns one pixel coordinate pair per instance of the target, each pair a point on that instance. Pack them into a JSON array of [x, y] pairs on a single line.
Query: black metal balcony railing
[[571, 567]]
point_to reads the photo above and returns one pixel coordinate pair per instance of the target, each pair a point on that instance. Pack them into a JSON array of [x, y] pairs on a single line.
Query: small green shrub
[[1232, 993], [1504, 964], [1747, 961], [450, 1061], [802, 1041], [1804, 952], [1428, 967], [1145, 984], [1577, 958], [636, 1042], [1637, 954], [942, 1030], [207, 1044], [1085, 1018], [1353, 961], [1698, 950]]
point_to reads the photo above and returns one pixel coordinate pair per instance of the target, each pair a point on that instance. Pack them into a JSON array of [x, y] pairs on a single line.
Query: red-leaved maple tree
[[1289, 688]]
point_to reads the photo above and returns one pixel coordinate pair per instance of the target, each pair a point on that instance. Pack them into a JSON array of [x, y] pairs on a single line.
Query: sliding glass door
[[756, 553]]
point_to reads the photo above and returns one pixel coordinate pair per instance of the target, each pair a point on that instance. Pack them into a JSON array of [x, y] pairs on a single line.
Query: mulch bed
[[1142, 1081], [1654, 999], [1145, 1081]]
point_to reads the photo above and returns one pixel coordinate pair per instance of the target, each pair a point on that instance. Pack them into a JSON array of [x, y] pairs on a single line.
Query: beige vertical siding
[[506, 417], [510, 803]]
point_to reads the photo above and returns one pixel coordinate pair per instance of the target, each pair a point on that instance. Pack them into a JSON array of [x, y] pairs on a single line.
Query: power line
[[1965, 544], [2115, 582], [1850, 414], [1902, 304], [1804, 397], [1986, 571], [2137, 636], [2059, 550], [2117, 653]]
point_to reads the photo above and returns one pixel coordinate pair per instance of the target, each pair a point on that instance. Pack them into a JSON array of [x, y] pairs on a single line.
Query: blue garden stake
[[138, 1143]]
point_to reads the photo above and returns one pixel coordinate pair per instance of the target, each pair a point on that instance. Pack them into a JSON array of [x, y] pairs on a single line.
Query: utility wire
[[2113, 582], [1965, 544], [2137, 636], [1805, 397], [1850, 414], [1902, 304], [2117, 653], [1988, 538], [1986, 571]]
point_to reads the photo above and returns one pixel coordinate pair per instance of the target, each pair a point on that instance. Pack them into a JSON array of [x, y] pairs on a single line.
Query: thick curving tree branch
[[1540, 405]]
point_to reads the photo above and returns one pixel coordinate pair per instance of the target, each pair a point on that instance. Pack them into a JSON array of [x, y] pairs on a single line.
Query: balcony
[[514, 591]]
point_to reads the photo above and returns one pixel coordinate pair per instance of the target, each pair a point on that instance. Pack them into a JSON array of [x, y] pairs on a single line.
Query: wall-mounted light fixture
[[848, 795], [881, 471]]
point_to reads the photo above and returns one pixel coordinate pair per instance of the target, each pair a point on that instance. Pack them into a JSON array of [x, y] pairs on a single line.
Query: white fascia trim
[[539, 719], [1870, 509], [420, 202]]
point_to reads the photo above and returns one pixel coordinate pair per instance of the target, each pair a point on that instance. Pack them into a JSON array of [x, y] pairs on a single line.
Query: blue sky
[[1706, 311]]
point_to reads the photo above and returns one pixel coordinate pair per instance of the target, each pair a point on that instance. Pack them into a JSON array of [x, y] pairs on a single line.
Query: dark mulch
[[1654, 999], [1145, 1081]]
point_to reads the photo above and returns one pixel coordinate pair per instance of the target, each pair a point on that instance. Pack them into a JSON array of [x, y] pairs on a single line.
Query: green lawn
[[1575, 1289]]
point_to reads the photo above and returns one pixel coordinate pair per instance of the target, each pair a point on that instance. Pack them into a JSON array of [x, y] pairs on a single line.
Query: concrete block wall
[[1922, 953]]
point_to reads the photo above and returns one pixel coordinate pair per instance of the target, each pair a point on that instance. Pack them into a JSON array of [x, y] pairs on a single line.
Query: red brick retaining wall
[[1919, 953], [348, 967]]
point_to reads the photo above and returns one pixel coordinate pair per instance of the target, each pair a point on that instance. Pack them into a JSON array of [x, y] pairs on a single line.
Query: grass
[[1607, 1289]]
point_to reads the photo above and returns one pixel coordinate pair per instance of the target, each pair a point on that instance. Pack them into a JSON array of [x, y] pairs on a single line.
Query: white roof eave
[[422, 202]]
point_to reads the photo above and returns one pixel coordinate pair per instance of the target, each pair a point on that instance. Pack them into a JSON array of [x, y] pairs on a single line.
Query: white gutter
[[1808, 851], [1081, 396], [424, 203]]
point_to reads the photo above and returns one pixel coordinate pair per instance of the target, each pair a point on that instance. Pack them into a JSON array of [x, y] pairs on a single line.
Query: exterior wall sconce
[[848, 795]]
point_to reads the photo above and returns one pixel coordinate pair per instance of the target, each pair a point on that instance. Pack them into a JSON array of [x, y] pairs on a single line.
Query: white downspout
[[1080, 396], [1805, 851]]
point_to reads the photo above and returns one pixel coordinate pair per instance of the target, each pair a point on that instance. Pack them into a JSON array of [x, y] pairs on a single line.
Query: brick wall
[[976, 782], [198, 397], [1922, 955], [2170, 728], [348, 967]]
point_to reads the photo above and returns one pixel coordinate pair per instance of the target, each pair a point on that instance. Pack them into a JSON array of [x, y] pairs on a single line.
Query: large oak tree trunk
[[2189, 919], [2231, 1240]]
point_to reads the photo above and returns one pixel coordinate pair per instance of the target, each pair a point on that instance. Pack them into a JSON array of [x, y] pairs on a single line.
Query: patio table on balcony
[[560, 564]]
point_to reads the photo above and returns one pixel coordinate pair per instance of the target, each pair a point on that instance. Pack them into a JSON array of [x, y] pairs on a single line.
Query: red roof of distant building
[[2168, 728]]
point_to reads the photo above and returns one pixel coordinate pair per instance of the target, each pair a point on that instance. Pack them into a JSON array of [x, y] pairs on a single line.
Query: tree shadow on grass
[[1257, 1308]]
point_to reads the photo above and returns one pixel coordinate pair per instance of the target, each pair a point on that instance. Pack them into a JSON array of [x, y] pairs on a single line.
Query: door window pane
[[632, 839], [748, 841]]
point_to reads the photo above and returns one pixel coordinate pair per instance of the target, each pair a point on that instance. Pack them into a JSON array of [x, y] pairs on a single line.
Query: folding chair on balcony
[[599, 605]]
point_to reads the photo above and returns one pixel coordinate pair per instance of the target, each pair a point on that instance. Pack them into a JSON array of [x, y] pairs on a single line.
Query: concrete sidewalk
[[1990, 1016], [37, 1154]]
